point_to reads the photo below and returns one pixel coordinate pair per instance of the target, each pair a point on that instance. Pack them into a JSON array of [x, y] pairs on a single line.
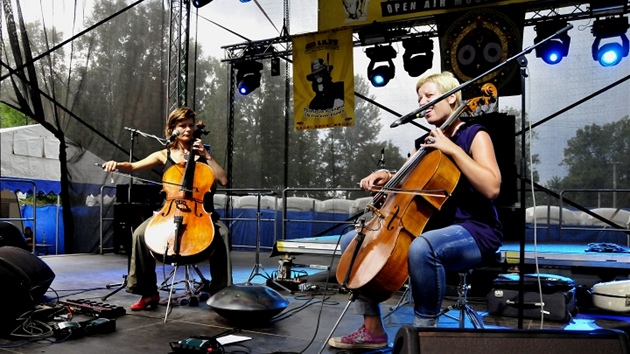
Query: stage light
[[381, 75], [248, 76], [275, 66], [418, 56], [556, 48], [611, 53], [200, 3]]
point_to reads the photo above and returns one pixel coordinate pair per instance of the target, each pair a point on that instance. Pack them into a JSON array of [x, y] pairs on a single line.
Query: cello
[[182, 230], [374, 264]]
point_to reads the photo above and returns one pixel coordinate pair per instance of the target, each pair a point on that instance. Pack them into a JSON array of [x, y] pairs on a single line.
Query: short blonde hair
[[445, 81]]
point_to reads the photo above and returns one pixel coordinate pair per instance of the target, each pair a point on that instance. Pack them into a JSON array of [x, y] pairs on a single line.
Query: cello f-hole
[[390, 226]]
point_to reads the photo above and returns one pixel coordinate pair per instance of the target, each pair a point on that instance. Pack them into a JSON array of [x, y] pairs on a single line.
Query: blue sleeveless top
[[467, 207]]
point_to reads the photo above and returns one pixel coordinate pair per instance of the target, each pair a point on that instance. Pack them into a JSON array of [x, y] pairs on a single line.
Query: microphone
[[381, 162], [408, 118], [173, 136]]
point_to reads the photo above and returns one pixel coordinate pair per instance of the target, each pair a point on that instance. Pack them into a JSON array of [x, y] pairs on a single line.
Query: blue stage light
[[248, 76], [382, 74], [610, 54], [553, 50], [200, 3]]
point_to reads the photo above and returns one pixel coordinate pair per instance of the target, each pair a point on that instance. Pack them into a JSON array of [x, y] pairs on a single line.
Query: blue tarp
[[301, 224], [47, 229]]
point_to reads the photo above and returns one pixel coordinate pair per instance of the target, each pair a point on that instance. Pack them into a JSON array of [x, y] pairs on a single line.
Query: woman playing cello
[[142, 279], [461, 235]]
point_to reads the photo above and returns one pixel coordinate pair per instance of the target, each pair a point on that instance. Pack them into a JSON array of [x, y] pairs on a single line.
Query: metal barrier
[[251, 192], [287, 191]]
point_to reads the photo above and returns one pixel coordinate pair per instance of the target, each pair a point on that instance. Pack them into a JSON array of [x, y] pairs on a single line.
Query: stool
[[193, 293], [462, 306]]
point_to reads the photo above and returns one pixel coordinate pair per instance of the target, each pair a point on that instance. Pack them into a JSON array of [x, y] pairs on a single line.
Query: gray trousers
[[142, 278]]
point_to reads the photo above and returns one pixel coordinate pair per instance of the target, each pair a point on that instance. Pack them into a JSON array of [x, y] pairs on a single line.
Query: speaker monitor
[[10, 235], [410, 340], [25, 279]]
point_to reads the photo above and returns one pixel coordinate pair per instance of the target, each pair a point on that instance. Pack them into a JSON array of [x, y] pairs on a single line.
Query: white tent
[[30, 153]]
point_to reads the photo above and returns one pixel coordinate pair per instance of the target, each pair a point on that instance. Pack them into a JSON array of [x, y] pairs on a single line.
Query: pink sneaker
[[359, 339]]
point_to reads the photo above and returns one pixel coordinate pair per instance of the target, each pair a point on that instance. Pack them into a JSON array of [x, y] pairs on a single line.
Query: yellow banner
[[350, 13], [323, 79]]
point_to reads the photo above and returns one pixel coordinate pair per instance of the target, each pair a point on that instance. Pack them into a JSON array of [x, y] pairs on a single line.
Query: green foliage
[[10, 117], [597, 158], [42, 199]]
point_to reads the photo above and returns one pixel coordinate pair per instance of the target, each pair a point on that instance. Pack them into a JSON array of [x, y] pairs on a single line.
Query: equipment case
[[558, 297], [612, 295]]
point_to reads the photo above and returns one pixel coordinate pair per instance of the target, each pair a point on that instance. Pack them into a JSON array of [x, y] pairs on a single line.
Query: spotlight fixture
[[611, 53], [275, 66], [248, 76], [418, 56], [556, 48], [381, 75], [200, 3]]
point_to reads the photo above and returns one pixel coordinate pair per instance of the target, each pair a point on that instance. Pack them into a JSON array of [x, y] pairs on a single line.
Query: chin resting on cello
[[459, 159], [182, 154]]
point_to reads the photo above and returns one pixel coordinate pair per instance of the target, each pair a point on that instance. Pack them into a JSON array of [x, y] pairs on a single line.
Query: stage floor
[[301, 328]]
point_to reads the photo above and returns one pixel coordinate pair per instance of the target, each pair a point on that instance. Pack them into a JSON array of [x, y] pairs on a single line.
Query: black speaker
[[126, 218], [410, 340], [10, 235], [25, 279], [501, 128]]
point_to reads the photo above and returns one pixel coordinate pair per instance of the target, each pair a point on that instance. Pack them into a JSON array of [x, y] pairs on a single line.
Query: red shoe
[[146, 302]]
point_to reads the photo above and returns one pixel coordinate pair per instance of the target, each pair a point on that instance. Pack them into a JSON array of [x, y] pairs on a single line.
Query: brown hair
[[176, 116]]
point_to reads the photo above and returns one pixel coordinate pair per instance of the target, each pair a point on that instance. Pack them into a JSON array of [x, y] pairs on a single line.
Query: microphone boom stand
[[522, 62], [133, 134]]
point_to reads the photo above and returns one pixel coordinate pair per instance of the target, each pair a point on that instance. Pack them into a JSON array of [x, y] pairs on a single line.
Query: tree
[[10, 117], [597, 158], [350, 153]]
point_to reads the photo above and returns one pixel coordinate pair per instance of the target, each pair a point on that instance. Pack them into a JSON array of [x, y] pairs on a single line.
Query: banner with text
[[349, 13], [323, 79]]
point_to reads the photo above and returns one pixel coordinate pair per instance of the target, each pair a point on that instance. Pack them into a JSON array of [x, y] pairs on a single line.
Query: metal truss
[[536, 12], [178, 54]]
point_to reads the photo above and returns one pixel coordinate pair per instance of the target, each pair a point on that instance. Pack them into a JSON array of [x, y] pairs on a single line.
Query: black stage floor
[[301, 328]]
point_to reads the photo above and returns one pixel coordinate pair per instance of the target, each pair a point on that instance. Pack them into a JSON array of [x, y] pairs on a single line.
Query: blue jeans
[[431, 255]]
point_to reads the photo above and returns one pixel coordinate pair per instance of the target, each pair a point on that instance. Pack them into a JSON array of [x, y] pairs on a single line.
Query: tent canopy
[[30, 157], [29, 154]]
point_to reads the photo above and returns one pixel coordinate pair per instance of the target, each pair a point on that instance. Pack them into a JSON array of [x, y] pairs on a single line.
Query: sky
[[548, 88]]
